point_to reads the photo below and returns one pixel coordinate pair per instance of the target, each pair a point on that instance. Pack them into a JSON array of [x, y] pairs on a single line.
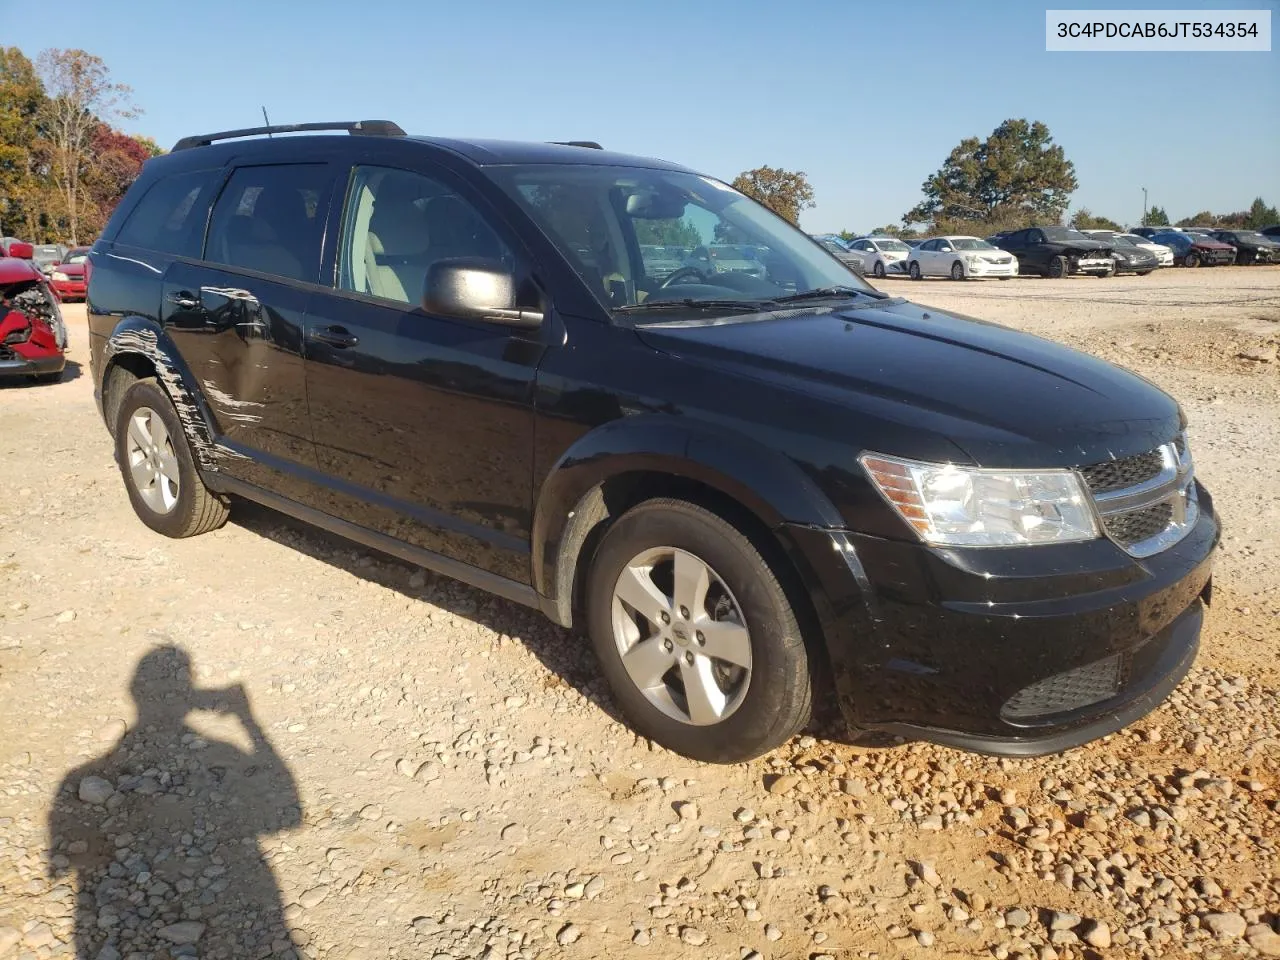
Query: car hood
[[71, 269], [1003, 397], [1088, 246], [1210, 243]]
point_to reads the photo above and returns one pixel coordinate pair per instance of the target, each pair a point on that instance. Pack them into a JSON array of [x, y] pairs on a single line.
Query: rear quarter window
[[171, 215]]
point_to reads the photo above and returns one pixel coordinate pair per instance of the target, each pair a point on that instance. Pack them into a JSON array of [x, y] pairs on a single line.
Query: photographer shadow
[[163, 831]]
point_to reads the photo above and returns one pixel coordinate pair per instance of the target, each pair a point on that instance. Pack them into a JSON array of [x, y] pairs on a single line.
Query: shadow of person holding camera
[[162, 832]]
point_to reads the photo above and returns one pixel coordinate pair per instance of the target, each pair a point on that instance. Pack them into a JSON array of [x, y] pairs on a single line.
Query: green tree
[[81, 95], [1156, 217], [1082, 219], [1205, 218], [1016, 176], [21, 101], [1261, 215], [668, 233], [785, 192]]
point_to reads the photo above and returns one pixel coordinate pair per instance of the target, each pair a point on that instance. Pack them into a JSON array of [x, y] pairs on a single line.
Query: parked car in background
[[662, 261], [881, 255], [1163, 254], [960, 258], [6, 243], [48, 255], [1250, 245], [1193, 250], [1131, 257], [843, 254], [68, 279], [725, 258], [1058, 252], [33, 338], [1152, 231], [1273, 232], [737, 491]]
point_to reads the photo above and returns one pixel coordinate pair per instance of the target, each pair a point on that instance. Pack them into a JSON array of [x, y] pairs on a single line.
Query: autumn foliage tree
[[1015, 177], [785, 192]]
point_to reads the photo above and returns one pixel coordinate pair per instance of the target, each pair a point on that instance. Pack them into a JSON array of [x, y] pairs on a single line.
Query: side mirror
[[22, 251], [475, 289]]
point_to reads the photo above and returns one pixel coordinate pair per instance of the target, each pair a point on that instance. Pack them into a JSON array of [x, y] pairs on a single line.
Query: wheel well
[[123, 370], [597, 510]]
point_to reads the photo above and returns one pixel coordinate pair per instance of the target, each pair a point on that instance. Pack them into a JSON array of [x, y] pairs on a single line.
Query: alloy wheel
[[681, 635], [153, 465]]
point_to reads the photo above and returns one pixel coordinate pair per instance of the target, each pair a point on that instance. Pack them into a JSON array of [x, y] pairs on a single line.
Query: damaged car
[[33, 338], [1058, 252], [1250, 245]]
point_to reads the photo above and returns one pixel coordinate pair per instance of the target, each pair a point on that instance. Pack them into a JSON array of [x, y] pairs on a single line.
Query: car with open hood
[[33, 338], [1053, 251], [746, 491]]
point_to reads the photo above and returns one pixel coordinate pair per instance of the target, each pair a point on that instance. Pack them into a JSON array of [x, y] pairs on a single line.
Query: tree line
[[64, 165]]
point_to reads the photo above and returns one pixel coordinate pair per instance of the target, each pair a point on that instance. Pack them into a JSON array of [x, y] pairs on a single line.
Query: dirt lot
[[389, 764]]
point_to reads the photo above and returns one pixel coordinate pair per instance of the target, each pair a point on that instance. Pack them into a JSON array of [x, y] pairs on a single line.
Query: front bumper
[[1009, 651], [19, 366], [980, 269], [1094, 265], [895, 266], [1129, 266], [70, 289]]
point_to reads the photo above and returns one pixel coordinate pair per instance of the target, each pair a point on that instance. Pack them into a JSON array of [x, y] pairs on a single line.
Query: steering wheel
[[676, 275]]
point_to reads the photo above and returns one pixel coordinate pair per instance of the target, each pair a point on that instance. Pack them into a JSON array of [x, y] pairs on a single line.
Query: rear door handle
[[339, 337], [184, 300]]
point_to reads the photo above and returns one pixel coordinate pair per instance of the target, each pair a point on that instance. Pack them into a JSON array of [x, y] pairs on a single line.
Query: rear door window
[[271, 219], [171, 215]]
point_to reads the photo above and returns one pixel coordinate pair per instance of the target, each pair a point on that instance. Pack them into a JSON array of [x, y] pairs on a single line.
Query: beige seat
[[396, 253]]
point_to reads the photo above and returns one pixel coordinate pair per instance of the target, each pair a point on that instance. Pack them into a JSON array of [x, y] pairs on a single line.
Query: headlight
[[59, 275], [971, 507]]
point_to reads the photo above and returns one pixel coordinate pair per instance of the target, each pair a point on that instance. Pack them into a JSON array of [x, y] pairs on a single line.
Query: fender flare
[[146, 338], [570, 503]]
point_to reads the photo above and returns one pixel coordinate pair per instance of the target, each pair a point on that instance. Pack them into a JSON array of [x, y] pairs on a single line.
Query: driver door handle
[[339, 337], [184, 300]]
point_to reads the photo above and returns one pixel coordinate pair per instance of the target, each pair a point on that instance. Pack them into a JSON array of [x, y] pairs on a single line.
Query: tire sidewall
[[147, 393], [878, 270], [914, 271], [775, 642], [954, 267]]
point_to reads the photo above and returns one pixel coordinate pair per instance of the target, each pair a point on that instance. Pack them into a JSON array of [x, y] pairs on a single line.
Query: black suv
[[741, 487]]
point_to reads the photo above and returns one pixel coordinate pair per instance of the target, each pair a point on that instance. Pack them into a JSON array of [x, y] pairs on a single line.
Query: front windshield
[[1120, 240], [1133, 238], [892, 246], [601, 217], [1249, 236], [970, 243], [80, 257], [1060, 234]]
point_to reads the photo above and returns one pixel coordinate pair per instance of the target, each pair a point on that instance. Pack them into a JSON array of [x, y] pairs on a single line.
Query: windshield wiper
[[688, 303], [830, 293]]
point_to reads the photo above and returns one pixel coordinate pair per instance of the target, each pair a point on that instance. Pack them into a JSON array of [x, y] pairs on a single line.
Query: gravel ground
[[266, 742]]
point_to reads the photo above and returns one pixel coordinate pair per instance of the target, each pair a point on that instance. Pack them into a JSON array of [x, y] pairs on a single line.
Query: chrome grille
[[1081, 687], [1146, 502], [1127, 472]]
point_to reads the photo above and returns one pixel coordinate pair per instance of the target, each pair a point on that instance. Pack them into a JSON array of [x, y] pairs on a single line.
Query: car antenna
[[267, 121]]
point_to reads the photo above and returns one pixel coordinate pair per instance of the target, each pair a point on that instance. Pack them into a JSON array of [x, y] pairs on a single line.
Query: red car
[[33, 339], [68, 278]]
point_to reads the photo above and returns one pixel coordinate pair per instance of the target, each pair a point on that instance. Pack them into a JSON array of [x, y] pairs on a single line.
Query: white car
[[1163, 254], [960, 258], [881, 255]]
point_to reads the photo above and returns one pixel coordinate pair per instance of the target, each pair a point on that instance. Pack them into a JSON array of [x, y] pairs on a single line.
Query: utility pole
[[1144, 206]]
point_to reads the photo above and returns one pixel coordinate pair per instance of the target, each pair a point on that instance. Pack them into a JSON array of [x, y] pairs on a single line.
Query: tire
[[877, 270], [762, 704], [1143, 273], [1057, 268], [957, 271], [1191, 260], [914, 270], [176, 510]]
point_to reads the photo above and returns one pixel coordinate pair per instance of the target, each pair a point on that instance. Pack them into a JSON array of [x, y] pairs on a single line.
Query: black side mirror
[[475, 289]]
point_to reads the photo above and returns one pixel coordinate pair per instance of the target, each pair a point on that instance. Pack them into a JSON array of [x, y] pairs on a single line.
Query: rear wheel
[[1058, 268], [957, 271], [877, 270], [164, 486], [695, 634], [914, 270]]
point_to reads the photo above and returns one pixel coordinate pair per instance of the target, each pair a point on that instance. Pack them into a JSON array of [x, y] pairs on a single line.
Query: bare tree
[[81, 94]]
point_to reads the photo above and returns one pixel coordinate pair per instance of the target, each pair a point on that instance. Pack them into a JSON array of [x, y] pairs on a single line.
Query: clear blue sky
[[866, 97]]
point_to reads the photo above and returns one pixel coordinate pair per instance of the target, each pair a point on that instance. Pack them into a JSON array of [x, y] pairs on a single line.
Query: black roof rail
[[589, 144], [368, 128]]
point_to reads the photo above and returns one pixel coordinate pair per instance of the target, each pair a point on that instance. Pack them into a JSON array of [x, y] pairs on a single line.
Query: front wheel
[[1058, 268], [877, 270], [1191, 260], [164, 486], [914, 270], [957, 271], [695, 635]]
